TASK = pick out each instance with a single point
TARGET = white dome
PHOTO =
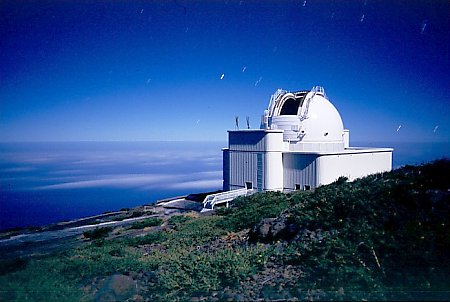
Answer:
(323, 122)
(305, 116)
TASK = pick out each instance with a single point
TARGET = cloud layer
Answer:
(146, 166)
(207, 180)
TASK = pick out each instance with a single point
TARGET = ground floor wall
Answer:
(252, 170)
(297, 171)
(352, 166)
(300, 171)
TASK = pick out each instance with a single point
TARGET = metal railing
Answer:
(273, 100)
(212, 200)
(304, 116)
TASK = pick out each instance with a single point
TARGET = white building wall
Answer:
(352, 165)
(346, 136)
(260, 157)
(273, 172)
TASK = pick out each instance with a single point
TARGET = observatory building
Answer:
(301, 145)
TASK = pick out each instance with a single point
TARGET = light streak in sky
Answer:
(424, 26)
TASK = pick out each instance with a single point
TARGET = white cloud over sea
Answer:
(197, 184)
(136, 166)
(115, 181)
(202, 180)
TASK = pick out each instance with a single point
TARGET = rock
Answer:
(271, 229)
(116, 288)
(278, 226)
(137, 298)
(133, 275)
(261, 231)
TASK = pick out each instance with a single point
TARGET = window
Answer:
(248, 185)
(307, 187)
(297, 187)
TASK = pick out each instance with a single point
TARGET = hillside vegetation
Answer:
(382, 237)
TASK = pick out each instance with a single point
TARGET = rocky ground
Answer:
(40, 241)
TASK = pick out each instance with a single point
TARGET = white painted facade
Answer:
(301, 145)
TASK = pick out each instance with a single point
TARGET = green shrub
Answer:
(376, 232)
(194, 232)
(12, 265)
(97, 233)
(40, 280)
(137, 214)
(177, 220)
(247, 211)
(197, 272)
(150, 238)
(149, 222)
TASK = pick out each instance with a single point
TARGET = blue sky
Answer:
(151, 70)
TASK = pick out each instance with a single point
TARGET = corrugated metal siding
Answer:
(245, 168)
(299, 169)
(259, 172)
(226, 169)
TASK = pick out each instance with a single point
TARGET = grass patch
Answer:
(177, 220)
(150, 238)
(149, 222)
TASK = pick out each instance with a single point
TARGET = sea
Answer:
(43, 183)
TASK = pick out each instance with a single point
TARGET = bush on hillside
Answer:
(149, 222)
(97, 233)
(388, 229)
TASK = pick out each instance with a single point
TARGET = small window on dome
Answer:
(326, 133)
(290, 107)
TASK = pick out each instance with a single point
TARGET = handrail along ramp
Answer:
(212, 200)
